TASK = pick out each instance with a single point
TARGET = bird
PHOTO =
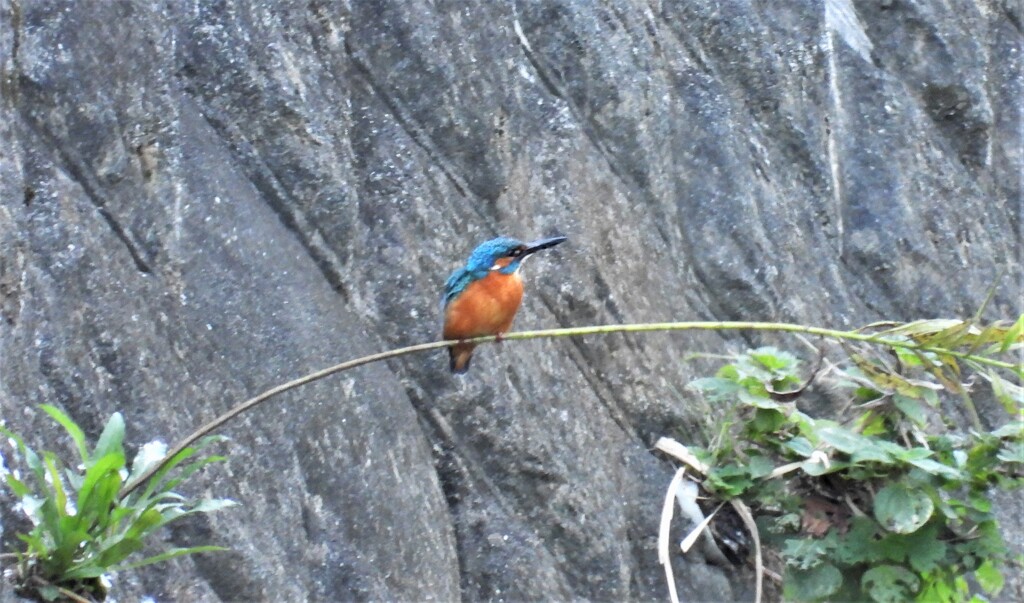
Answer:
(482, 297)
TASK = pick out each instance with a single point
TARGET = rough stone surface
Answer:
(199, 200)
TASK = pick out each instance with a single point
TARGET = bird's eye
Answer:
(515, 253)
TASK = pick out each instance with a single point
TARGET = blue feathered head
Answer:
(485, 258)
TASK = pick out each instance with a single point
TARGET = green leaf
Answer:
(49, 518)
(979, 502)
(760, 466)
(889, 446)
(926, 327)
(750, 371)
(111, 438)
(1011, 453)
(1014, 335)
(1013, 429)
(210, 505)
(989, 578)
(860, 544)
(144, 523)
(729, 480)
(85, 572)
(912, 409)
(774, 359)
(176, 552)
(814, 584)
(872, 424)
(890, 584)
(17, 486)
(116, 552)
(1009, 394)
(949, 337)
(71, 427)
(938, 589)
(729, 372)
(960, 458)
(104, 468)
(60, 499)
(74, 478)
(805, 553)
(902, 510)
(759, 399)
(994, 334)
(102, 507)
(35, 543)
(716, 389)
(936, 468)
(910, 358)
(767, 420)
(842, 439)
(71, 535)
(931, 397)
(188, 470)
(924, 549)
(912, 454)
(800, 445)
(803, 422)
(870, 452)
(31, 459)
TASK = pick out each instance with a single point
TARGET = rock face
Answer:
(199, 200)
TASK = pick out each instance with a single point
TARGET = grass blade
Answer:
(71, 427)
(171, 554)
(1014, 335)
(111, 438)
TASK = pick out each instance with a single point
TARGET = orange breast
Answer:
(486, 307)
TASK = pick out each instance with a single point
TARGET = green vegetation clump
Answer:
(82, 526)
(888, 500)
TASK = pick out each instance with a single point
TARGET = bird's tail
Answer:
(459, 356)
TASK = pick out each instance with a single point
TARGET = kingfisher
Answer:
(482, 297)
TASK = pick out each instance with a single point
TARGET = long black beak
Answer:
(542, 244)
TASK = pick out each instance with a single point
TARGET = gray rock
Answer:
(200, 201)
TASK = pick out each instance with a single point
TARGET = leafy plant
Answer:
(888, 500)
(82, 527)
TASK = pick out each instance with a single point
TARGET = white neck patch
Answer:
(497, 266)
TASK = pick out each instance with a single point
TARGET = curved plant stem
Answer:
(877, 339)
(244, 406)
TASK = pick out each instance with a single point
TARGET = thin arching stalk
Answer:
(876, 339)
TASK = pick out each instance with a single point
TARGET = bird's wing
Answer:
(455, 284)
